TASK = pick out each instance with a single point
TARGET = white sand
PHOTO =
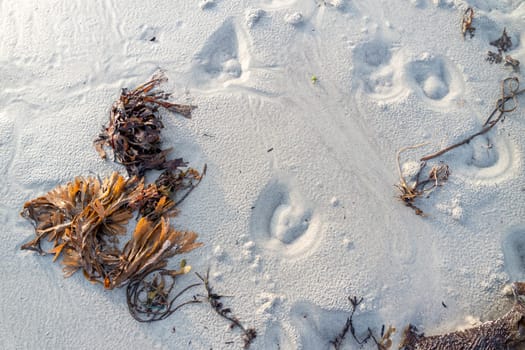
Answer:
(292, 232)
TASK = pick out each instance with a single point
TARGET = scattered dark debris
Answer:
(384, 342)
(494, 57)
(269, 150)
(134, 128)
(502, 333)
(466, 23)
(153, 39)
(249, 334)
(504, 43)
(444, 305)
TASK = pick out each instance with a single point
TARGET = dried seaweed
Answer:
(466, 23)
(494, 57)
(84, 220)
(505, 332)
(214, 299)
(150, 296)
(409, 192)
(167, 184)
(514, 63)
(383, 343)
(503, 44)
(134, 128)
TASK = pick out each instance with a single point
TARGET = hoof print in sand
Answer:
(376, 67)
(219, 60)
(490, 160)
(514, 253)
(282, 220)
(434, 79)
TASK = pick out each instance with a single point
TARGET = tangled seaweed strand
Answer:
(149, 297)
(214, 299)
(384, 343)
(134, 128)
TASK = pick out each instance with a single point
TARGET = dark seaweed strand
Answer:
(214, 300)
(151, 301)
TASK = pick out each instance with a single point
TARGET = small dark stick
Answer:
(215, 301)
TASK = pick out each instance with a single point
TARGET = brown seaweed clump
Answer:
(85, 218)
(134, 128)
(504, 333)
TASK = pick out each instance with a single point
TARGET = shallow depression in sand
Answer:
(282, 220)
(514, 253)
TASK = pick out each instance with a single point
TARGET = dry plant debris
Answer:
(85, 218)
(503, 44)
(466, 23)
(508, 102)
(150, 297)
(503, 333)
(134, 128)
(514, 63)
(214, 299)
(410, 191)
(382, 343)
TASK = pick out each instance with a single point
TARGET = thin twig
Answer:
(193, 185)
(383, 344)
(214, 300)
(489, 123)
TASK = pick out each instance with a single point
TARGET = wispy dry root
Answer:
(84, 219)
(134, 128)
(503, 333)
(409, 193)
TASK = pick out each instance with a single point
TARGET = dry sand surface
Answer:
(302, 107)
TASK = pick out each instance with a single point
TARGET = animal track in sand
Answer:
(282, 220)
(377, 68)
(514, 253)
(490, 160)
(434, 79)
(223, 57)
(275, 338)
